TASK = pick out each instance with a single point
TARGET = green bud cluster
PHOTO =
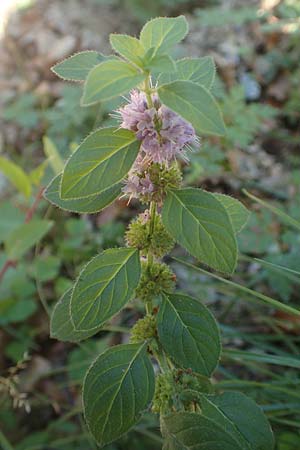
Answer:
(164, 391)
(164, 177)
(190, 381)
(159, 243)
(155, 279)
(144, 329)
(179, 389)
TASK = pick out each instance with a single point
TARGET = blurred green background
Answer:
(256, 47)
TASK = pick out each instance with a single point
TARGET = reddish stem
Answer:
(11, 263)
(34, 206)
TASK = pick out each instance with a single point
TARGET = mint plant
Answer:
(174, 349)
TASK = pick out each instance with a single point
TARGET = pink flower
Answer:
(164, 134)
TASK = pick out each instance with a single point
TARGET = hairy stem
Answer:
(147, 90)
(158, 353)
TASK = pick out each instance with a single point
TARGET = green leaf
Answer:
(230, 421)
(102, 160)
(16, 176)
(117, 388)
(25, 236)
(53, 155)
(189, 333)
(110, 79)
(198, 70)
(160, 64)
(195, 104)
(91, 204)
(61, 326)
(200, 223)
(237, 212)
(129, 47)
(77, 66)
(163, 32)
(104, 287)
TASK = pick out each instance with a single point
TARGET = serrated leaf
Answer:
(129, 47)
(230, 421)
(188, 333)
(89, 205)
(160, 64)
(53, 155)
(200, 223)
(104, 287)
(110, 79)
(237, 212)
(102, 160)
(195, 104)
(26, 236)
(163, 32)
(16, 176)
(77, 66)
(118, 387)
(61, 326)
(198, 70)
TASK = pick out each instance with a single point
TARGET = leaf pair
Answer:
(108, 77)
(205, 224)
(147, 54)
(102, 289)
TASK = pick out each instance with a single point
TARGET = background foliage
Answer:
(256, 49)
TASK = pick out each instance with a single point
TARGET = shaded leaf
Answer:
(163, 32)
(117, 388)
(110, 79)
(91, 204)
(77, 66)
(237, 212)
(230, 421)
(129, 47)
(200, 223)
(195, 104)
(104, 286)
(198, 70)
(102, 160)
(189, 333)
(61, 326)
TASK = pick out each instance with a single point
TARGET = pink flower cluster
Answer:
(164, 135)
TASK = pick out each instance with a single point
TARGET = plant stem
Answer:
(150, 258)
(29, 215)
(159, 353)
(147, 89)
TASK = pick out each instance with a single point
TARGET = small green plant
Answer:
(174, 349)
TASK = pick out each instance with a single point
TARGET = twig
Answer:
(34, 206)
(10, 262)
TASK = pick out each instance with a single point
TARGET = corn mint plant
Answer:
(174, 349)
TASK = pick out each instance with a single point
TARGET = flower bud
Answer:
(155, 279)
